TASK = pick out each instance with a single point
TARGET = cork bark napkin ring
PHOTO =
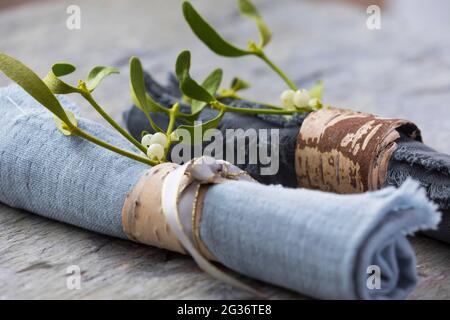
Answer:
(345, 151)
(164, 209)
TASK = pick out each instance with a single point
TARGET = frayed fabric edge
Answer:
(437, 192)
(411, 195)
(428, 162)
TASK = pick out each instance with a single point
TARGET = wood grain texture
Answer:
(399, 71)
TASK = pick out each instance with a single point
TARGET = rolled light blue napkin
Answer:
(320, 244)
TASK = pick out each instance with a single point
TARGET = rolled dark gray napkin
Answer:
(411, 158)
(288, 130)
(319, 244)
(432, 169)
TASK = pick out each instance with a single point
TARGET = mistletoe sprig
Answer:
(301, 100)
(41, 90)
(207, 94)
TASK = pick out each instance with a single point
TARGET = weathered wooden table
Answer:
(401, 70)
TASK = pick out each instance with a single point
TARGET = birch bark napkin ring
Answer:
(164, 209)
(346, 151)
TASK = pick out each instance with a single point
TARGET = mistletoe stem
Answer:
(173, 113)
(78, 132)
(237, 97)
(87, 95)
(275, 68)
(227, 108)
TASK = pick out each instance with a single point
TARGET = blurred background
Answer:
(401, 69)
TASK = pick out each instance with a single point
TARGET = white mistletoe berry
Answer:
(301, 98)
(174, 136)
(146, 140)
(287, 98)
(314, 103)
(159, 138)
(155, 151)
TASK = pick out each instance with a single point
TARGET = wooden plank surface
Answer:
(401, 70)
